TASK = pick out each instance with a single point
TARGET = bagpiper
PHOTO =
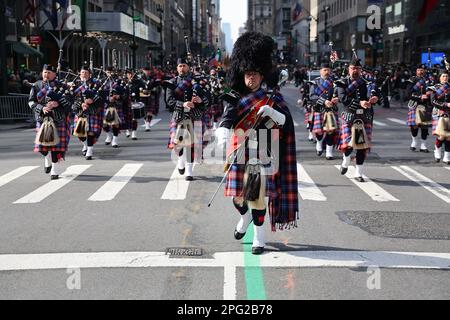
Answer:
(189, 101)
(356, 99)
(88, 108)
(150, 95)
(440, 99)
(420, 110)
(51, 110)
(326, 117)
(253, 114)
(216, 88)
(114, 94)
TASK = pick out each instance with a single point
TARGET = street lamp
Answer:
(309, 19)
(161, 11)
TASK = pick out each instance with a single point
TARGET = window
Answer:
(398, 9)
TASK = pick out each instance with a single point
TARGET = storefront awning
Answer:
(24, 49)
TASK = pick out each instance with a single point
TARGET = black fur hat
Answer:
(252, 52)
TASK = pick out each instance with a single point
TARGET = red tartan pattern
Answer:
(345, 135)
(63, 128)
(411, 121)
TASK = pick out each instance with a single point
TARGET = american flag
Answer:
(334, 56)
(30, 12)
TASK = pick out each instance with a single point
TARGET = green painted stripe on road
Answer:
(254, 278)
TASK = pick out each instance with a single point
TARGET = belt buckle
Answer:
(359, 111)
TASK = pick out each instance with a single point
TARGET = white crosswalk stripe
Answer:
(48, 189)
(177, 187)
(435, 188)
(373, 190)
(153, 123)
(397, 121)
(15, 174)
(380, 124)
(112, 188)
(306, 186)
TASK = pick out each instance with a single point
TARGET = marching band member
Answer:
(419, 115)
(114, 119)
(326, 116)
(88, 108)
(441, 114)
(133, 86)
(216, 108)
(251, 64)
(189, 102)
(356, 100)
(51, 110)
(150, 96)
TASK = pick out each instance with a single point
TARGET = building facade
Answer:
(405, 39)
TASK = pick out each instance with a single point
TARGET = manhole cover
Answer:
(184, 252)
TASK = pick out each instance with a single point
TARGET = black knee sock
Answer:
(360, 157)
(439, 143)
(83, 139)
(348, 152)
(319, 137)
(90, 141)
(330, 140)
(447, 146)
(414, 132)
(424, 134)
(116, 132)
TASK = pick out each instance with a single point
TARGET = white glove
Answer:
(222, 135)
(278, 117)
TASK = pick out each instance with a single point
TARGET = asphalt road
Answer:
(386, 239)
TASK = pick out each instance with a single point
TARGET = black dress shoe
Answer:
(438, 160)
(257, 250)
(330, 158)
(84, 153)
(319, 153)
(238, 236)
(189, 179)
(89, 158)
(424, 150)
(413, 149)
(107, 143)
(182, 171)
(48, 170)
(116, 147)
(360, 179)
(134, 139)
(344, 171)
(54, 177)
(148, 130)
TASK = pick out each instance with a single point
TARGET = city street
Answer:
(103, 231)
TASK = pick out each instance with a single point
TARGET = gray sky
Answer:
(234, 12)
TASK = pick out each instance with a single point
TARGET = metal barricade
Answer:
(15, 107)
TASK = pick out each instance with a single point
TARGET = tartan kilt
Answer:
(318, 122)
(234, 186)
(63, 129)
(308, 112)
(95, 123)
(411, 122)
(151, 105)
(345, 134)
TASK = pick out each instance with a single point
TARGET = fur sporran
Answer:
(254, 186)
(329, 122)
(184, 136)
(423, 117)
(360, 141)
(443, 127)
(81, 129)
(111, 117)
(48, 134)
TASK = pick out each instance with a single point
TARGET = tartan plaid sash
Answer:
(354, 86)
(247, 102)
(42, 94)
(184, 85)
(442, 91)
(324, 87)
(419, 85)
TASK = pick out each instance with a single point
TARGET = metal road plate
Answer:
(184, 252)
